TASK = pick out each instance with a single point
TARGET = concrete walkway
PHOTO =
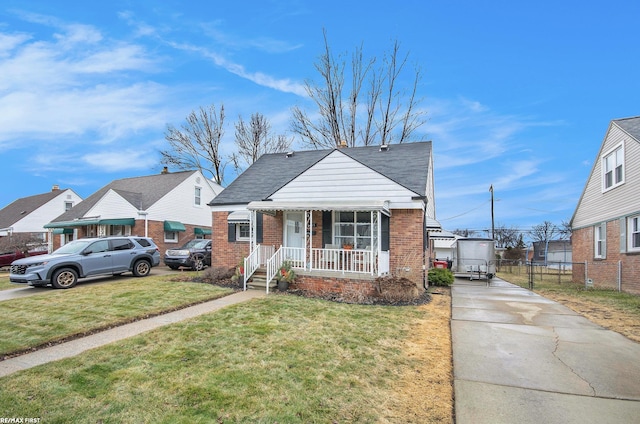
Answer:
(521, 358)
(76, 347)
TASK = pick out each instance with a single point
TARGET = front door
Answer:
(294, 229)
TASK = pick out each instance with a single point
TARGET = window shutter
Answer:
(231, 228)
(623, 235)
(327, 234)
(259, 227)
(384, 228)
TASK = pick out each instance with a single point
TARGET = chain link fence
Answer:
(587, 274)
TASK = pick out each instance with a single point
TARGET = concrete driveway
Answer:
(521, 358)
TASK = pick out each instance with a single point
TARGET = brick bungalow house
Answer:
(606, 223)
(170, 207)
(341, 217)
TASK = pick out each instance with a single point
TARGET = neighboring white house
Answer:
(606, 223)
(444, 244)
(31, 214)
(169, 207)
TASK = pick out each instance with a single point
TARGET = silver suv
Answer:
(87, 257)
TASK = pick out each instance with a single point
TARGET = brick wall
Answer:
(604, 272)
(155, 230)
(406, 244)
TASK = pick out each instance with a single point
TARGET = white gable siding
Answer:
(112, 205)
(338, 177)
(178, 205)
(431, 199)
(36, 220)
(596, 206)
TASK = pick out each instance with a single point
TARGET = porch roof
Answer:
(320, 205)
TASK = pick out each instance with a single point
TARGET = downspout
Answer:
(425, 245)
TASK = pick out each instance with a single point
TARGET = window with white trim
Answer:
(613, 168)
(197, 196)
(353, 229)
(600, 241)
(243, 231)
(171, 236)
(633, 230)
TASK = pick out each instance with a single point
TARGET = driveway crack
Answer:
(555, 354)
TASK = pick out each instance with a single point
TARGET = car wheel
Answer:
(64, 278)
(198, 264)
(173, 267)
(141, 268)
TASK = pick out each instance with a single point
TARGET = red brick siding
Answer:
(604, 272)
(155, 230)
(406, 244)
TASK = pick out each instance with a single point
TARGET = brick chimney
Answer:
(165, 170)
(55, 187)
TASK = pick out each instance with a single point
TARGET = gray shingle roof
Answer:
(630, 125)
(22, 207)
(406, 164)
(141, 192)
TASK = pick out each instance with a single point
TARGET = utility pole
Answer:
(492, 222)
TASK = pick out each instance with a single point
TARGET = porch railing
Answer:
(294, 255)
(343, 260)
(257, 258)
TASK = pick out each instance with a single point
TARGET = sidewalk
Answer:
(75, 347)
(521, 358)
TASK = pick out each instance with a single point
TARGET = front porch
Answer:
(323, 263)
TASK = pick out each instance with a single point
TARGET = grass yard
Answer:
(4, 280)
(608, 308)
(60, 314)
(282, 358)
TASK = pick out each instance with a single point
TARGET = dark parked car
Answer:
(85, 258)
(6, 258)
(195, 254)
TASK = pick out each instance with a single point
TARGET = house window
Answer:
(353, 228)
(171, 236)
(197, 196)
(67, 206)
(600, 241)
(119, 230)
(634, 233)
(243, 232)
(613, 168)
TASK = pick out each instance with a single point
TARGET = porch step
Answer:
(259, 280)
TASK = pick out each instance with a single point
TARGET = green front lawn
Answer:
(283, 359)
(50, 316)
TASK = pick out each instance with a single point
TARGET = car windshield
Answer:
(196, 244)
(75, 246)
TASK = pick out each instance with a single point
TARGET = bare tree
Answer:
(543, 232)
(506, 237)
(20, 242)
(464, 232)
(254, 139)
(390, 114)
(196, 144)
(565, 230)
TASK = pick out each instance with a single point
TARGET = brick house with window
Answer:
(170, 207)
(606, 223)
(341, 217)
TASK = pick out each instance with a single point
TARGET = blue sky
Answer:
(517, 94)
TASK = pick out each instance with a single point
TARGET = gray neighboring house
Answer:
(29, 215)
